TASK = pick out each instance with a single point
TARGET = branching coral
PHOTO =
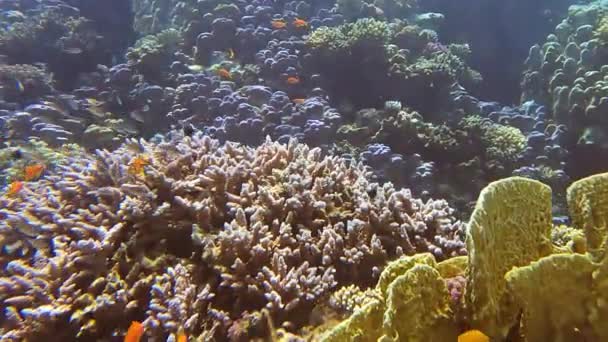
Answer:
(160, 232)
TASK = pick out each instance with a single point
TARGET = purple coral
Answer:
(224, 228)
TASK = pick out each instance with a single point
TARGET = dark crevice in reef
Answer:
(113, 19)
(586, 160)
(500, 34)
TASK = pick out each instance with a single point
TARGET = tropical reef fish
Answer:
(293, 80)
(72, 50)
(473, 336)
(136, 167)
(135, 332)
(300, 23)
(196, 68)
(14, 188)
(278, 23)
(19, 86)
(223, 73)
(33, 172)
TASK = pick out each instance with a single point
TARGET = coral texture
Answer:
(161, 232)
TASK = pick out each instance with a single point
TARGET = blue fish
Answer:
(19, 86)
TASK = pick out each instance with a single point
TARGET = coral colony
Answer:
(257, 170)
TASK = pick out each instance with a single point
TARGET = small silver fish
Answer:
(72, 51)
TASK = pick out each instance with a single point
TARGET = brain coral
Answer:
(160, 232)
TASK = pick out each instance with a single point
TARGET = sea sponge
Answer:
(422, 296)
(510, 227)
(554, 293)
(364, 325)
(588, 203)
(410, 280)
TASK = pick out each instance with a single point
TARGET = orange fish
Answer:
(135, 332)
(293, 80)
(33, 172)
(223, 73)
(298, 101)
(14, 188)
(181, 337)
(473, 336)
(136, 167)
(278, 23)
(300, 23)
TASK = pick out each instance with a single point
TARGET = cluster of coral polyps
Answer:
(191, 234)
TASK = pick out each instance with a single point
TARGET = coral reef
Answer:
(160, 232)
(249, 170)
(386, 61)
(517, 282)
(566, 74)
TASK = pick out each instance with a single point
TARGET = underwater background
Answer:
(273, 170)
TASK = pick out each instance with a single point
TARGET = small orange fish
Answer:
(278, 23)
(33, 172)
(136, 167)
(293, 80)
(298, 101)
(473, 336)
(181, 337)
(300, 23)
(14, 188)
(135, 332)
(223, 73)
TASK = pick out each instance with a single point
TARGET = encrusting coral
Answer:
(161, 232)
(519, 286)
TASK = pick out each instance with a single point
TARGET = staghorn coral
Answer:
(350, 298)
(201, 226)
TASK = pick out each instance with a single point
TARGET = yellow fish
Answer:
(473, 335)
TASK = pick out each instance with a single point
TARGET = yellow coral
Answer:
(400, 266)
(418, 308)
(588, 204)
(363, 326)
(509, 227)
(552, 293)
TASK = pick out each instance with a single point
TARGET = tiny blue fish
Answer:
(19, 86)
